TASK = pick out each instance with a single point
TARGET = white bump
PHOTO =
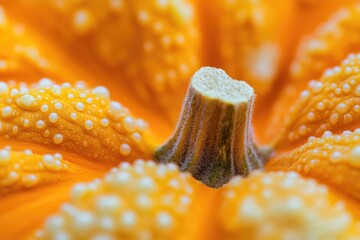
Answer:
(108, 204)
(104, 122)
(78, 191)
(28, 152)
(6, 111)
(129, 124)
(143, 201)
(89, 124)
(101, 91)
(146, 183)
(66, 85)
(58, 138)
(48, 160)
(294, 203)
(58, 106)
(40, 124)
(125, 149)
(27, 100)
(29, 180)
(335, 157)
(320, 106)
(80, 106)
(164, 220)
(84, 222)
(56, 90)
(137, 137)
(141, 125)
(115, 109)
(45, 83)
(14, 92)
(354, 157)
(128, 219)
(89, 100)
(4, 156)
(15, 129)
(26, 123)
(73, 116)
(44, 108)
(53, 117)
(357, 91)
(4, 88)
(311, 116)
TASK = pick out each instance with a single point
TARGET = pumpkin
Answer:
(77, 164)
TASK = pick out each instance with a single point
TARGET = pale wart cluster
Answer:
(150, 40)
(327, 104)
(322, 50)
(335, 39)
(140, 201)
(331, 158)
(282, 205)
(75, 118)
(25, 169)
(340, 148)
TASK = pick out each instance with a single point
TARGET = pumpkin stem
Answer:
(214, 139)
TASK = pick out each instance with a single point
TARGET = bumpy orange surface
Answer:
(88, 90)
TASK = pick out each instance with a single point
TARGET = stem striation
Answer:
(214, 139)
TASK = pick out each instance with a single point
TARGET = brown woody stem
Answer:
(214, 139)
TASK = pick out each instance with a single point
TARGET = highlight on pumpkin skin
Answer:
(245, 38)
(24, 169)
(332, 159)
(139, 201)
(282, 205)
(332, 103)
(72, 118)
(23, 57)
(325, 48)
(335, 39)
(213, 140)
(310, 14)
(151, 47)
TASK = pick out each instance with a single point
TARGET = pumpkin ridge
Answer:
(328, 104)
(72, 118)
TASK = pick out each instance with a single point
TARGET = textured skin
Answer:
(74, 134)
(157, 201)
(24, 170)
(325, 48)
(151, 47)
(144, 200)
(27, 56)
(332, 159)
(79, 120)
(145, 51)
(280, 205)
(332, 103)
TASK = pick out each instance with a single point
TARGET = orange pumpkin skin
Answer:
(55, 134)
(325, 47)
(145, 49)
